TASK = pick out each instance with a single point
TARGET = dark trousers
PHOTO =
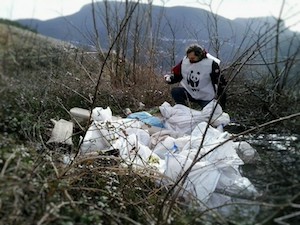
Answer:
(181, 96)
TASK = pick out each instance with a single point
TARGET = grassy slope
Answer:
(11, 36)
(42, 78)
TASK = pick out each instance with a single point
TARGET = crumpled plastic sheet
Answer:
(187, 140)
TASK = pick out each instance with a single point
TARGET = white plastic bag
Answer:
(201, 180)
(62, 132)
(93, 140)
(183, 119)
(245, 151)
(102, 134)
(165, 146)
(136, 154)
(100, 114)
(142, 136)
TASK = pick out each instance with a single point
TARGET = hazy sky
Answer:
(47, 9)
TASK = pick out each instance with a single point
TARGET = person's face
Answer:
(192, 57)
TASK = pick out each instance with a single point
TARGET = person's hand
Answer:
(167, 78)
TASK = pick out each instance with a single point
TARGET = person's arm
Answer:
(176, 75)
(218, 79)
(216, 76)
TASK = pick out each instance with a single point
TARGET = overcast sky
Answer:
(47, 9)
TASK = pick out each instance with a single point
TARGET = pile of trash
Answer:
(180, 140)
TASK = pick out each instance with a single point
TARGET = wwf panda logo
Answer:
(193, 78)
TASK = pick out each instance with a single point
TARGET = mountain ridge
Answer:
(180, 23)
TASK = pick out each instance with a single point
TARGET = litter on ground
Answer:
(183, 144)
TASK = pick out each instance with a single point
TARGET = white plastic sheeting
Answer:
(104, 131)
(62, 132)
(188, 141)
(183, 119)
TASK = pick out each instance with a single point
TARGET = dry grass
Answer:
(36, 189)
(40, 81)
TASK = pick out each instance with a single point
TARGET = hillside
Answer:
(42, 78)
(48, 63)
(31, 65)
(169, 27)
(14, 37)
(21, 46)
(40, 75)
